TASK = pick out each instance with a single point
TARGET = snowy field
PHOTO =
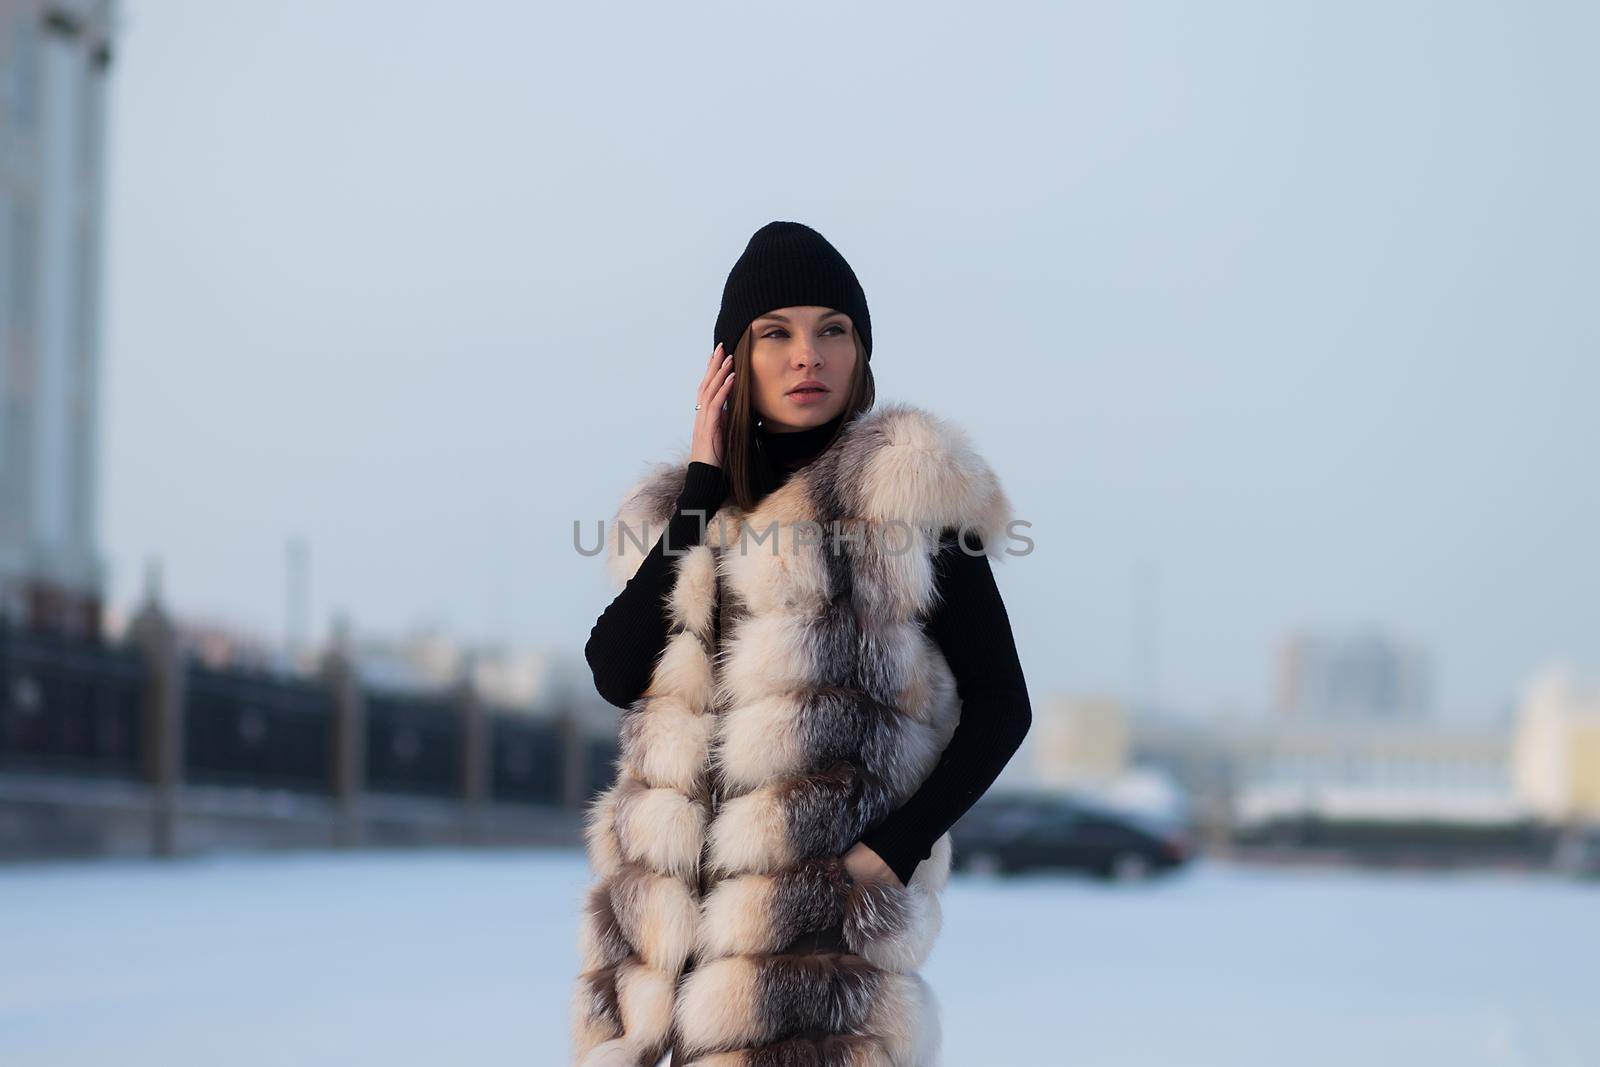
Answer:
(451, 957)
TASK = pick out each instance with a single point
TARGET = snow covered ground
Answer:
(457, 957)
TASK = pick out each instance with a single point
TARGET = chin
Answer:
(805, 416)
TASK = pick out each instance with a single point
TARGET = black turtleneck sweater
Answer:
(969, 625)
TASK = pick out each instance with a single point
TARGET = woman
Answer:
(818, 678)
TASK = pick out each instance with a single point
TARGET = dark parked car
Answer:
(1018, 832)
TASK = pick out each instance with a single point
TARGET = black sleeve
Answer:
(973, 631)
(628, 637)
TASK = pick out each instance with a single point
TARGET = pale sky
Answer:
(1267, 315)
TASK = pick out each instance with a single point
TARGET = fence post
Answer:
(347, 737)
(161, 727)
(475, 757)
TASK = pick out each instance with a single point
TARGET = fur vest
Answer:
(746, 771)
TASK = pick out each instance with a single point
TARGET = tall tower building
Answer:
(54, 59)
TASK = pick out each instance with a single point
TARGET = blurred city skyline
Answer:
(1269, 319)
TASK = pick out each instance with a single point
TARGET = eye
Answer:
(835, 326)
(775, 330)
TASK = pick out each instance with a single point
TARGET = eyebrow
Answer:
(785, 318)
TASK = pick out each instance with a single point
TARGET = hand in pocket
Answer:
(865, 865)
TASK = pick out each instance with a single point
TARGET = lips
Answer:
(808, 388)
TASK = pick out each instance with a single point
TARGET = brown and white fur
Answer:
(823, 709)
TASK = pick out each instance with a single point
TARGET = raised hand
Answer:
(706, 443)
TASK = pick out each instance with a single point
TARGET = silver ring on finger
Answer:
(697, 407)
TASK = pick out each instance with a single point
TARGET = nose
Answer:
(805, 354)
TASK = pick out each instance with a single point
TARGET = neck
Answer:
(791, 450)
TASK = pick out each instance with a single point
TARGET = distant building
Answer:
(53, 62)
(1341, 766)
(509, 677)
(1078, 741)
(1083, 746)
(1361, 677)
(221, 644)
(1260, 769)
(425, 659)
(1557, 747)
(1434, 771)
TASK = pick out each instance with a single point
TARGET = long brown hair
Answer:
(749, 471)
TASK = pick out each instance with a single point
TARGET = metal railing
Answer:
(145, 713)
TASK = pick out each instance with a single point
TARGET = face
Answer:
(801, 361)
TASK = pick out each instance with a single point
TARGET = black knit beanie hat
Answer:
(788, 264)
